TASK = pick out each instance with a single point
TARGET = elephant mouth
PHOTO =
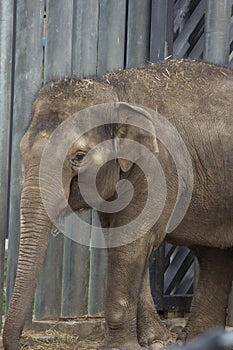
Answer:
(59, 226)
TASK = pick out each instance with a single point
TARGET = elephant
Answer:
(141, 107)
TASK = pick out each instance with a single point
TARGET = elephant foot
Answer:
(152, 330)
(152, 336)
(12, 345)
(182, 336)
(121, 345)
(11, 341)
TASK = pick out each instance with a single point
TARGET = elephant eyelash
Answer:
(75, 161)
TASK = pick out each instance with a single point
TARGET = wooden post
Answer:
(85, 38)
(6, 66)
(58, 49)
(217, 31)
(138, 33)
(161, 29)
(27, 82)
(111, 46)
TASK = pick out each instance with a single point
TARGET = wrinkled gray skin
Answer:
(197, 99)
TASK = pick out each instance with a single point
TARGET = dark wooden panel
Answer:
(171, 274)
(176, 303)
(157, 276)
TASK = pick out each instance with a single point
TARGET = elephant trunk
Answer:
(35, 232)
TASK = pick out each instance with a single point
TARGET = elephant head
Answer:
(62, 153)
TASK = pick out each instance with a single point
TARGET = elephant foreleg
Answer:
(126, 266)
(210, 299)
(150, 326)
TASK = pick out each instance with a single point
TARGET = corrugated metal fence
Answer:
(86, 38)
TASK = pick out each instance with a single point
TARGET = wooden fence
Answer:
(85, 38)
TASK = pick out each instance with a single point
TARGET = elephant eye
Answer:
(75, 161)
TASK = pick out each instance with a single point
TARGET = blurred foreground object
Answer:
(215, 339)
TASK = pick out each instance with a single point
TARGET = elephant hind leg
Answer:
(210, 301)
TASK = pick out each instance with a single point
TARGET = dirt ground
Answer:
(57, 340)
(54, 340)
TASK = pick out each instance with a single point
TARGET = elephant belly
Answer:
(211, 227)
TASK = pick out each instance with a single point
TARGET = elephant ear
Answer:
(130, 116)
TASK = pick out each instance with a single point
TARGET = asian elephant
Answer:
(141, 110)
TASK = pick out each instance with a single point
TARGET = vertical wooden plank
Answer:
(169, 28)
(217, 31)
(85, 38)
(58, 50)
(76, 266)
(48, 292)
(111, 45)
(138, 33)
(6, 45)
(161, 29)
(98, 268)
(27, 81)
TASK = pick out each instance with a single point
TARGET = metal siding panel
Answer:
(28, 67)
(6, 43)
(58, 49)
(138, 35)
(76, 266)
(85, 38)
(111, 45)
